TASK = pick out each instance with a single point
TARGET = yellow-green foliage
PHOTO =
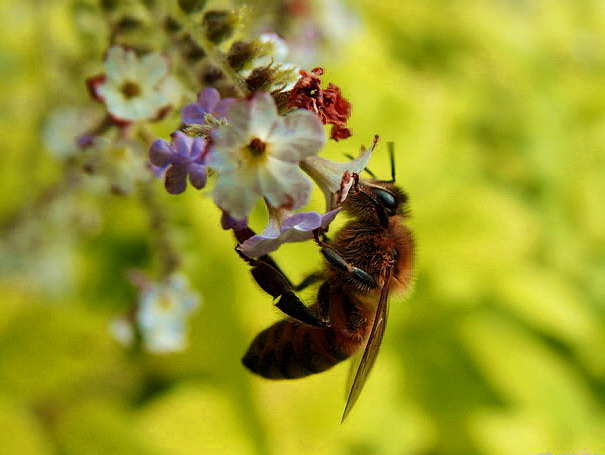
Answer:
(497, 111)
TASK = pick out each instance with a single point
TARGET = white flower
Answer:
(258, 155)
(163, 309)
(121, 163)
(334, 178)
(134, 88)
(62, 128)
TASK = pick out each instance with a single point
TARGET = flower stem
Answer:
(212, 52)
(168, 257)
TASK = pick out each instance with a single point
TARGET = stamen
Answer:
(257, 147)
(130, 89)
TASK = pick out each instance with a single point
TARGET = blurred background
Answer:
(497, 112)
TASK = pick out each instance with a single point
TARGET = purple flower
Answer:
(295, 228)
(228, 222)
(208, 102)
(184, 156)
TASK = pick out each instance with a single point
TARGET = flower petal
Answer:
(263, 115)
(160, 153)
(197, 175)
(283, 184)
(328, 174)
(208, 99)
(151, 69)
(236, 193)
(221, 109)
(176, 179)
(302, 221)
(182, 144)
(296, 228)
(198, 150)
(300, 135)
(193, 113)
(228, 222)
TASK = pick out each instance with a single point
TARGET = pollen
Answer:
(130, 89)
(255, 152)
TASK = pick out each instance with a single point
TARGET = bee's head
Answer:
(375, 201)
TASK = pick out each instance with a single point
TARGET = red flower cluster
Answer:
(328, 104)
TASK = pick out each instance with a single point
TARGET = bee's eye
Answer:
(387, 199)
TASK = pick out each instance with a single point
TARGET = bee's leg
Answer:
(263, 259)
(274, 282)
(334, 258)
(323, 298)
(309, 280)
(277, 285)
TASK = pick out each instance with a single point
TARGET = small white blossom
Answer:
(257, 155)
(62, 128)
(135, 88)
(163, 309)
(120, 163)
(330, 176)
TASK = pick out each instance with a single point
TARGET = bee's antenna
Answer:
(391, 146)
(370, 173)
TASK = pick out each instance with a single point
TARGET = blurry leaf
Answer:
(466, 245)
(21, 432)
(529, 375)
(98, 427)
(193, 419)
(47, 351)
(546, 301)
(504, 433)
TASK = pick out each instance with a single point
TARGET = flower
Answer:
(328, 104)
(61, 129)
(133, 88)
(258, 155)
(120, 163)
(162, 312)
(294, 228)
(184, 156)
(209, 102)
(228, 222)
(334, 179)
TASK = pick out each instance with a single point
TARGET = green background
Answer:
(497, 112)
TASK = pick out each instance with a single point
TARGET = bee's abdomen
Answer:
(289, 349)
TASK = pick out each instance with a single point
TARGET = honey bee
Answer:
(368, 259)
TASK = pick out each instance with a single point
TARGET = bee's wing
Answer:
(372, 347)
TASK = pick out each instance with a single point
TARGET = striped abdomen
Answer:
(290, 349)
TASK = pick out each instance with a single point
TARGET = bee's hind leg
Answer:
(277, 285)
(274, 282)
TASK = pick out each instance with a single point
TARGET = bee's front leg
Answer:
(335, 258)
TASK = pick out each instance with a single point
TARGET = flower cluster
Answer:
(248, 123)
(258, 152)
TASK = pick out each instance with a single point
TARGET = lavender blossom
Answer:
(294, 228)
(185, 156)
(209, 102)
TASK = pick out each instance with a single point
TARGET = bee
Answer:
(369, 259)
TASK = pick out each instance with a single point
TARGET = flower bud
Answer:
(108, 5)
(191, 50)
(210, 75)
(171, 25)
(241, 54)
(220, 25)
(192, 6)
(271, 77)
